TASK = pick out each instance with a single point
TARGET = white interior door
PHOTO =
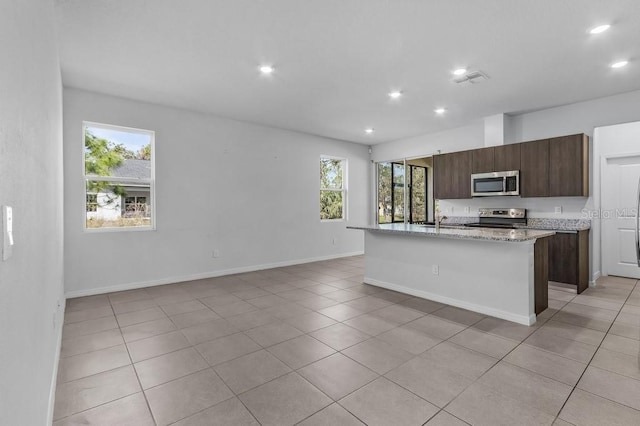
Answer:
(619, 191)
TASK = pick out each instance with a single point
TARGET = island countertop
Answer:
(458, 232)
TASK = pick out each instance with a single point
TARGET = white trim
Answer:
(332, 220)
(520, 319)
(56, 362)
(203, 275)
(117, 128)
(119, 229)
(128, 181)
(623, 155)
(595, 277)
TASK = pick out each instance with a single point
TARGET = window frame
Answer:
(343, 190)
(151, 181)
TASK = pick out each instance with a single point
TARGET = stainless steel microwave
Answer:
(495, 183)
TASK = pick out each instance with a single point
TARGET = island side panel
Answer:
(494, 278)
(541, 274)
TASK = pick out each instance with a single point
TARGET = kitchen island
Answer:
(497, 272)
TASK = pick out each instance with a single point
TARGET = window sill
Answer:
(123, 229)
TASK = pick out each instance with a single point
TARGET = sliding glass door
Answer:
(402, 192)
(418, 194)
(399, 190)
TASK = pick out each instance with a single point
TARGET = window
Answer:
(92, 202)
(119, 177)
(332, 188)
(134, 206)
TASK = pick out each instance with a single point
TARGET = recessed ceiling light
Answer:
(439, 110)
(266, 69)
(619, 64)
(459, 71)
(395, 94)
(599, 29)
(369, 130)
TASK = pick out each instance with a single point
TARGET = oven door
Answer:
(496, 183)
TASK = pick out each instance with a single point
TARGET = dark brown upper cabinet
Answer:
(556, 167)
(534, 168)
(507, 157)
(452, 175)
(482, 160)
(441, 176)
(569, 166)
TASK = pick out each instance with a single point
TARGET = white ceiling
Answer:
(336, 60)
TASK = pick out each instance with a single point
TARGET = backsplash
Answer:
(532, 223)
(558, 224)
(571, 207)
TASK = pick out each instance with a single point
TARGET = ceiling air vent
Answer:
(471, 77)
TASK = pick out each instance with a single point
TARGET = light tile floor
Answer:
(312, 345)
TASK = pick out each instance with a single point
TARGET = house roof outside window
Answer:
(135, 169)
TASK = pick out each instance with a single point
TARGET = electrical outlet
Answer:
(467, 209)
(333, 240)
(215, 254)
(435, 269)
(558, 209)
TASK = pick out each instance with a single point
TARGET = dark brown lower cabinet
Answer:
(569, 258)
(541, 274)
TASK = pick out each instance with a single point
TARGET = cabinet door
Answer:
(452, 175)
(563, 258)
(482, 160)
(507, 157)
(441, 176)
(569, 166)
(534, 168)
(461, 174)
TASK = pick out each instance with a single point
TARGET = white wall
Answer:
(580, 117)
(31, 282)
(458, 139)
(249, 191)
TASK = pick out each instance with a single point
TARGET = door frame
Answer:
(603, 167)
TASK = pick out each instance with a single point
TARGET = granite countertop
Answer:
(459, 232)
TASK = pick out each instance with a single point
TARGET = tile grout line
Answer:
(414, 357)
(125, 343)
(493, 366)
(593, 356)
(106, 371)
(146, 400)
(370, 337)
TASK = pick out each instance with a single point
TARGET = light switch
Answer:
(7, 232)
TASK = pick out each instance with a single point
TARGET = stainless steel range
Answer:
(500, 218)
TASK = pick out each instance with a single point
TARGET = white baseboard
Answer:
(595, 277)
(56, 362)
(520, 319)
(203, 275)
